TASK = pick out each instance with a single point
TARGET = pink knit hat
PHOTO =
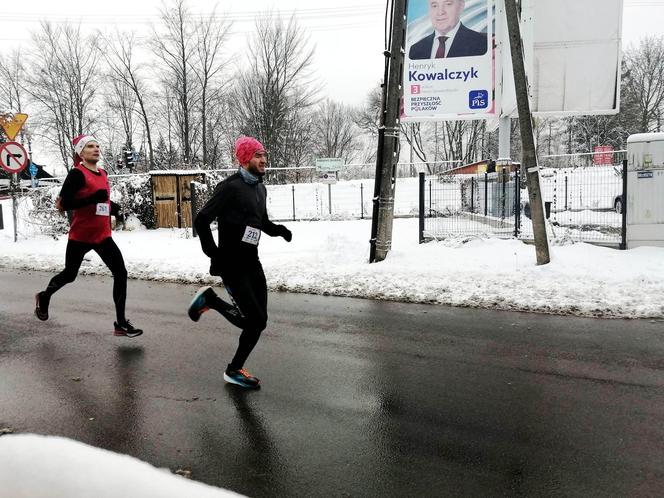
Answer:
(79, 143)
(246, 147)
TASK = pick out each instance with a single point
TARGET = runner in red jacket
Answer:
(86, 192)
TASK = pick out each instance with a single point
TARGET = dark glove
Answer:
(116, 211)
(285, 233)
(215, 266)
(100, 195)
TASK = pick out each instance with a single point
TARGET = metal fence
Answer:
(305, 197)
(583, 200)
(469, 204)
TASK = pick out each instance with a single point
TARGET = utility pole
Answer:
(528, 155)
(388, 139)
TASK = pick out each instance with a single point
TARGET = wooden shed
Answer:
(171, 194)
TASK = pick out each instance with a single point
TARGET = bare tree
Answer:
(587, 132)
(276, 91)
(176, 48)
(367, 118)
(211, 34)
(335, 133)
(461, 140)
(63, 82)
(12, 94)
(643, 86)
(129, 85)
(12, 72)
(122, 100)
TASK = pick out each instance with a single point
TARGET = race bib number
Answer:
(251, 236)
(103, 209)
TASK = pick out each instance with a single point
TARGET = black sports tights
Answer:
(248, 290)
(111, 256)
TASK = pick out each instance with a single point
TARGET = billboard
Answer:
(449, 68)
(572, 51)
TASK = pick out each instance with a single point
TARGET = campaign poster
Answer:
(449, 69)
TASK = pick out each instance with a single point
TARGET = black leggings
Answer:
(111, 256)
(248, 290)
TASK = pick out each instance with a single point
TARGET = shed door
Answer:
(185, 200)
(165, 201)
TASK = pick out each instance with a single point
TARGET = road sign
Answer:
(329, 164)
(603, 155)
(13, 157)
(13, 124)
(329, 177)
(33, 170)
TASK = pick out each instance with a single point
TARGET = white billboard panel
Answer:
(449, 62)
(572, 51)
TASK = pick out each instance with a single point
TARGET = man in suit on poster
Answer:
(450, 37)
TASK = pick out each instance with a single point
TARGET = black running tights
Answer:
(248, 290)
(111, 256)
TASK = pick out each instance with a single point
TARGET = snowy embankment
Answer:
(34, 466)
(330, 257)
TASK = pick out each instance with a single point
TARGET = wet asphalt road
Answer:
(359, 397)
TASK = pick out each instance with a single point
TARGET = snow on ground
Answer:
(39, 466)
(330, 257)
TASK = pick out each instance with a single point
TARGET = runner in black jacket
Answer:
(239, 206)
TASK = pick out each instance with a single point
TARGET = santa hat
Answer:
(246, 147)
(79, 144)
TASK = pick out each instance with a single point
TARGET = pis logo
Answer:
(478, 99)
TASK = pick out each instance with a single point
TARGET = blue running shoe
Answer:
(241, 378)
(200, 302)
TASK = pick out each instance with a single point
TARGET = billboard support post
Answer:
(528, 155)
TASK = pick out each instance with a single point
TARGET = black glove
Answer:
(100, 195)
(116, 211)
(215, 266)
(285, 233)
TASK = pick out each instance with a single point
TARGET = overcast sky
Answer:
(348, 34)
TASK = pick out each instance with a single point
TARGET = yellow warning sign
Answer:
(12, 124)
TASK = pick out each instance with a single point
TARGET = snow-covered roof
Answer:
(645, 137)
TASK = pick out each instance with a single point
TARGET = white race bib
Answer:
(103, 209)
(251, 236)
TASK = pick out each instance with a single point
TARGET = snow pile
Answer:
(33, 466)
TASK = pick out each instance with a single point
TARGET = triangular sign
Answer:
(13, 124)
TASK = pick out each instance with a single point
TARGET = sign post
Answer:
(13, 159)
(327, 168)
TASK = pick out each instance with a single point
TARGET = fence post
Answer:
(293, 202)
(486, 194)
(503, 178)
(623, 198)
(329, 197)
(430, 197)
(361, 201)
(565, 191)
(517, 204)
(2, 223)
(421, 190)
(472, 195)
(194, 207)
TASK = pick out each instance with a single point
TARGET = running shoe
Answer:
(41, 306)
(126, 329)
(241, 378)
(201, 302)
